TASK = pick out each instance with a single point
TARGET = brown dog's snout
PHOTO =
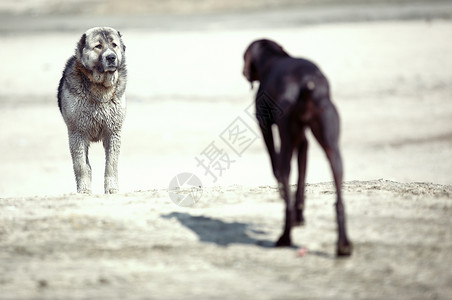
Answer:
(245, 73)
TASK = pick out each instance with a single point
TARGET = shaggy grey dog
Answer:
(92, 101)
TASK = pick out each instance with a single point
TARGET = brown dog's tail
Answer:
(305, 105)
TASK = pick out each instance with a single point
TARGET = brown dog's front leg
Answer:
(284, 172)
(269, 142)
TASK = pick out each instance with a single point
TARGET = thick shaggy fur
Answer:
(92, 102)
(294, 95)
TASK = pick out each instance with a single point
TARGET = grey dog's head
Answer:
(101, 51)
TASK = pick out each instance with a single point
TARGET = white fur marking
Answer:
(291, 92)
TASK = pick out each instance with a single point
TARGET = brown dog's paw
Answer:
(299, 223)
(344, 249)
(299, 219)
(284, 241)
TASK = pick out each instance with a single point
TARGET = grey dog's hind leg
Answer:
(82, 169)
(112, 145)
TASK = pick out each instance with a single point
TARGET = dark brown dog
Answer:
(294, 94)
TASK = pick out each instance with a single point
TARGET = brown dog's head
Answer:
(101, 51)
(257, 55)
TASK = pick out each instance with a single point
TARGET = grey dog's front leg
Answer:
(112, 145)
(82, 169)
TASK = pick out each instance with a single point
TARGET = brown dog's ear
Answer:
(248, 68)
(81, 44)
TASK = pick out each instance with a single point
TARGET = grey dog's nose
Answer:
(111, 58)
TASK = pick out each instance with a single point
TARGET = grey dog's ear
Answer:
(81, 44)
(122, 43)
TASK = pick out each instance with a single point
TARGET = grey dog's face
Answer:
(101, 49)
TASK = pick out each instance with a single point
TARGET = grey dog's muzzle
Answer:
(109, 62)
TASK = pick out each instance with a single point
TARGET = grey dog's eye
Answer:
(99, 46)
(114, 45)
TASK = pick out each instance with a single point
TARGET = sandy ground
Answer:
(391, 82)
(143, 246)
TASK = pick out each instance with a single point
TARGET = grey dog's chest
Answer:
(97, 119)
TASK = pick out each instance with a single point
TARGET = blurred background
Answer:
(388, 63)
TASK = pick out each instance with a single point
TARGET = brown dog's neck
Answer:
(265, 63)
(267, 57)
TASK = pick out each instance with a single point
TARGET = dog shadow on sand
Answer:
(211, 230)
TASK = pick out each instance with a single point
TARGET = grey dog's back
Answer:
(70, 64)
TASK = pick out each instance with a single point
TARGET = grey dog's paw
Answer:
(111, 191)
(111, 185)
(84, 191)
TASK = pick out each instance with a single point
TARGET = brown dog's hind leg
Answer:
(344, 247)
(299, 198)
(326, 131)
